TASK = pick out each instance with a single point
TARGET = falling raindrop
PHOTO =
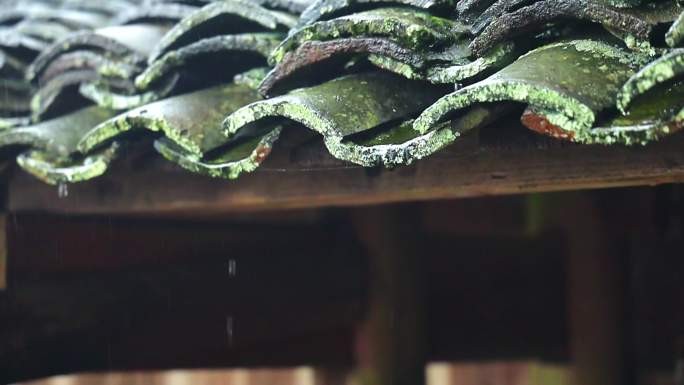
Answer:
(63, 190)
(232, 268)
(229, 330)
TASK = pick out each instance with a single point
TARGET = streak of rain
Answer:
(230, 330)
(232, 268)
(62, 190)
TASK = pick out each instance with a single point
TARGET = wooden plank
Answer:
(300, 174)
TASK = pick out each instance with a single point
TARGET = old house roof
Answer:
(211, 86)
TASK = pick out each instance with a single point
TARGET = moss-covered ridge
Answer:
(52, 153)
(651, 101)
(222, 18)
(675, 34)
(537, 15)
(59, 136)
(569, 83)
(114, 44)
(191, 125)
(227, 162)
(662, 70)
(361, 117)
(411, 29)
(103, 94)
(242, 34)
(261, 44)
(408, 42)
(111, 56)
(62, 170)
(324, 9)
(191, 120)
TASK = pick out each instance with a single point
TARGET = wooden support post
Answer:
(595, 308)
(391, 342)
(594, 282)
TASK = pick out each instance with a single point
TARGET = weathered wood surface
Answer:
(301, 174)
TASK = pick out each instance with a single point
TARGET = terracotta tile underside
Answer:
(212, 85)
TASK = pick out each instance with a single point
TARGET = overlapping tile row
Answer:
(382, 83)
(29, 27)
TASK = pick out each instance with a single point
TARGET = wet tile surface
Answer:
(372, 81)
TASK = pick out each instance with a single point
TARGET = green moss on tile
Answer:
(252, 78)
(101, 94)
(58, 136)
(495, 59)
(575, 80)
(250, 12)
(652, 116)
(353, 105)
(541, 13)
(409, 28)
(662, 70)
(227, 162)
(259, 43)
(392, 154)
(57, 170)
(323, 9)
(105, 48)
(192, 121)
(675, 34)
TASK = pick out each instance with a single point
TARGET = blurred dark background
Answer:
(584, 282)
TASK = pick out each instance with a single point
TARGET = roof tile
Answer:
(380, 82)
